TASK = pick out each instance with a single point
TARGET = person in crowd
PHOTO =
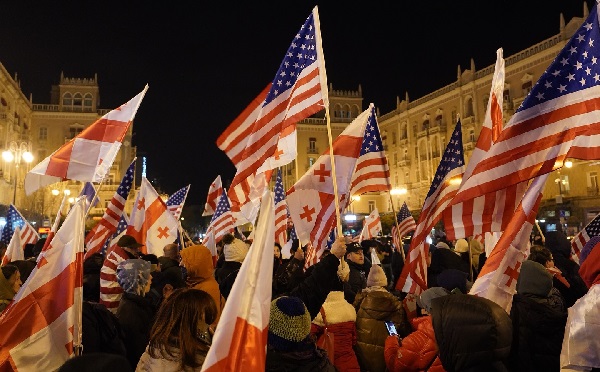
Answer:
(418, 351)
(357, 281)
(463, 249)
(443, 258)
(560, 247)
(341, 321)
(10, 283)
(28, 252)
(276, 257)
(454, 280)
(181, 337)
(581, 344)
(234, 251)
(101, 331)
(135, 312)
(170, 260)
(290, 346)
(538, 319)
(96, 362)
(198, 263)
(163, 284)
(153, 259)
(329, 274)
(110, 290)
(477, 257)
(543, 256)
(472, 333)
(291, 273)
(374, 305)
(25, 268)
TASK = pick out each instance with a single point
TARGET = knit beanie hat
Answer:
(461, 246)
(534, 279)
(376, 277)
(133, 275)
(235, 251)
(289, 323)
(424, 300)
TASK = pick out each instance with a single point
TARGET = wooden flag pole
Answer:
(401, 249)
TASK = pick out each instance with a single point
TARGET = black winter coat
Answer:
(226, 275)
(136, 316)
(357, 281)
(308, 360)
(538, 330)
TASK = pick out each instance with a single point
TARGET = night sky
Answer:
(205, 61)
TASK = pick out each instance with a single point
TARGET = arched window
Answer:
(469, 107)
(67, 99)
(77, 99)
(87, 100)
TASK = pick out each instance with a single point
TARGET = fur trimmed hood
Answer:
(337, 310)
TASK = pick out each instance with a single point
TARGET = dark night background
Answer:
(205, 61)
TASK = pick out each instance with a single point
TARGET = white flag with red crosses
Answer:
(151, 223)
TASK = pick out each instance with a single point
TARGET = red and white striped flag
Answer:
(406, 224)
(177, 200)
(222, 222)
(281, 211)
(151, 223)
(14, 251)
(589, 231)
(14, 218)
(371, 226)
(298, 90)
(413, 278)
(490, 212)
(497, 280)
(240, 341)
(557, 119)
(311, 201)
(214, 193)
(42, 326)
(372, 172)
(56, 223)
(88, 156)
(107, 226)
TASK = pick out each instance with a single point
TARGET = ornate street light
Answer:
(17, 152)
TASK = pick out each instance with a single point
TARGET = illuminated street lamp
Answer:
(16, 153)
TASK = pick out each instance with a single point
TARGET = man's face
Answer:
(357, 257)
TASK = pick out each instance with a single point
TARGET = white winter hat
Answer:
(376, 277)
(235, 251)
(461, 246)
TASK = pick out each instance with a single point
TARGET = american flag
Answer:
(96, 238)
(176, 201)
(298, 90)
(406, 224)
(89, 191)
(214, 192)
(371, 226)
(372, 172)
(413, 278)
(589, 231)
(281, 212)
(557, 119)
(121, 228)
(222, 221)
(14, 219)
(490, 212)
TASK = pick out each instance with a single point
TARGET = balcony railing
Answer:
(312, 150)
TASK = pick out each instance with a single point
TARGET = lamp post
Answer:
(17, 152)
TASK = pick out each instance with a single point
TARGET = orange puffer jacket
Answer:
(418, 352)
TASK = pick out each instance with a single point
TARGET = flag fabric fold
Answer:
(14, 251)
(311, 201)
(177, 200)
(371, 226)
(490, 212)
(240, 341)
(42, 326)
(557, 119)
(222, 222)
(151, 223)
(406, 224)
(14, 218)
(497, 280)
(589, 231)
(281, 212)
(88, 156)
(298, 91)
(413, 278)
(214, 193)
(97, 237)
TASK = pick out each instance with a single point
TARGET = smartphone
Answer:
(391, 328)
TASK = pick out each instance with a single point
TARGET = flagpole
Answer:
(89, 208)
(401, 249)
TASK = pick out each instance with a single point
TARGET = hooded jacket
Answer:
(6, 292)
(197, 260)
(472, 333)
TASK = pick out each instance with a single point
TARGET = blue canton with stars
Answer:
(126, 182)
(576, 68)
(453, 158)
(372, 138)
(178, 197)
(404, 213)
(121, 226)
(222, 207)
(13, 220)
(593, 228)
(301, 53)
(279, 193)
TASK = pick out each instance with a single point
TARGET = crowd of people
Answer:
(148, 313)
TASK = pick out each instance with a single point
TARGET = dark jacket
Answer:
(101, 331)
(442, 259)
(373, 308)
(357, 281)
(136, 316)
(308, 360)
(538, 331)
(288, 276)
(226, 276)
(472, 333)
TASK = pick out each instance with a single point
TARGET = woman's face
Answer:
(276, 252)
(15, 281)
